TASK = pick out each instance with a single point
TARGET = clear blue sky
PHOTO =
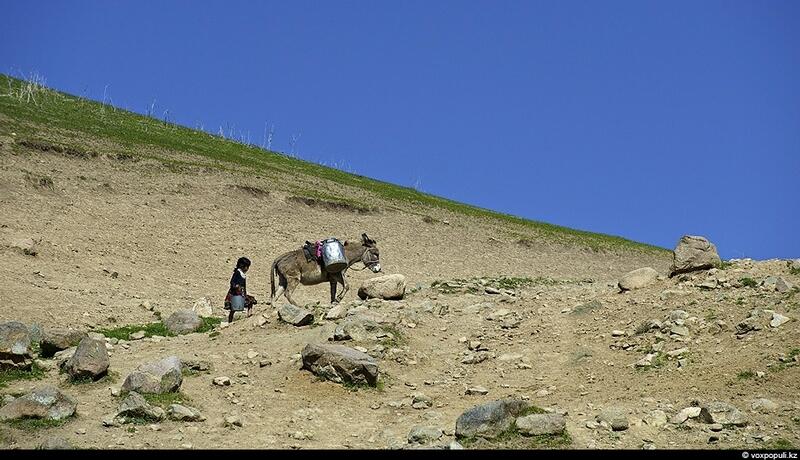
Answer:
(643, 119)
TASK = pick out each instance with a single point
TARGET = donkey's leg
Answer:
(334, 285)
(291, 285)
(346, 287)
(279, 291)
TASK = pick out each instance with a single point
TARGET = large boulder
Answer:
(694, 253)
(15, 346)
(159, 377)
(388, 287)
(539, 424)
(184, 413)
(725, 414)
(637, 279)
(340, 364)
(90, 360)
(490, 419)
(295, 316)
(183, 322)
(55, 340)
(615, 417)
(46, 402)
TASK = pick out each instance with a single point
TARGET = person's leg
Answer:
(230, 316)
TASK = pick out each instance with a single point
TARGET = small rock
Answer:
(716, 427)
(615, 418)
(222, 381)
(477, 391)
(540, 424)
(138, 335)
(233, 420)
(656, 418)
(424, 434)
(637, 279)
(778, 320)
(764, 406)
(682, 331)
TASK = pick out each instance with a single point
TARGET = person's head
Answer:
(243, 263)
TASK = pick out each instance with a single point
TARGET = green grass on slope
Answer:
(32, 111)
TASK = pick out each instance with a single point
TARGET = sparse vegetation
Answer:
(29, 105)
(748, 282)
(745, 375)
(34, 373)
(33, 424)
(511, 438)
(155, 329)
(724, 265)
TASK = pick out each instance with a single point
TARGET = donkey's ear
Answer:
(345, 243)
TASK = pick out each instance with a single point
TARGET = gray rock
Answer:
(7, 399)
(222, 381)
(750, 324)
(138, 335)
(55, 340)
(615, 418)
(388, 287)
(184, 414)
(693, 253)
(725, 414)
(424, 434)
(497, 314)
(35, 332)
(539, 424)
(340, 364)
(295, 316)
(764, 406)
(338, 311)
(203, 308)
(15, 346)
(490, 419)
(783, 286)
(55, 443)
(587, 307)
(134, 405)
(637, 279)
(778, 320)
(233, 420)
(795, 264)
(90, 360)
(455, 445)
(682, 331)
(656, 418)
(25, 245)
(183, 322)
(158, 377)
(45, 402)
(475, 358)
(676, 315)
(685, 414)
(359, 328)
(477, 391)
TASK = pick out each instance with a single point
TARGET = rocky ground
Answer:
(706, 359)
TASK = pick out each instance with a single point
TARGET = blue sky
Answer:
(643, 119)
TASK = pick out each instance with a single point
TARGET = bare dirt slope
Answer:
(112, 234)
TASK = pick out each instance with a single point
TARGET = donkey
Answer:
(294, 269)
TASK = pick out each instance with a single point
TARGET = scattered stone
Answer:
(587, 307)
(490, 419)
(90, 360)
(477, 391)
(55, 443)
(45, 402)
(615, 418)
(184, 414)
(338, 311)
(497, 314)
(295, 316)
(134, 405)
(539, 424)
(475, 358)
(656, 418)
(506, 357)
(233, 420)
(15, 346)
(222, 381)
(340, 364)
(424, 434)
(26, 245)
(183, 322)
(617, 333)
(388, 287)
(693, 253)
(203, 308)
(677, 315)
(682, 331)
(678, 352)
(750, 324)
(264, 363)
(763, 405)
(716, 427)
(647, 361)
(455, 445)
(783, 286)
(252, 354)
(55, 340)
(726, 414)
(420, 401)
(637, 279)
(163, 376)
(778, 320)
(358, 328)
(138, 335)
(686, 414)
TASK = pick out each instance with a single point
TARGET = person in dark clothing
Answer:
(238, 287)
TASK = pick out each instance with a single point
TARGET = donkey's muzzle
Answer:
(375, 268)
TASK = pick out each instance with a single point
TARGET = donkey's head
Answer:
(371, 257)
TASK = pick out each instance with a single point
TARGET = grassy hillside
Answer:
(46, 118)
